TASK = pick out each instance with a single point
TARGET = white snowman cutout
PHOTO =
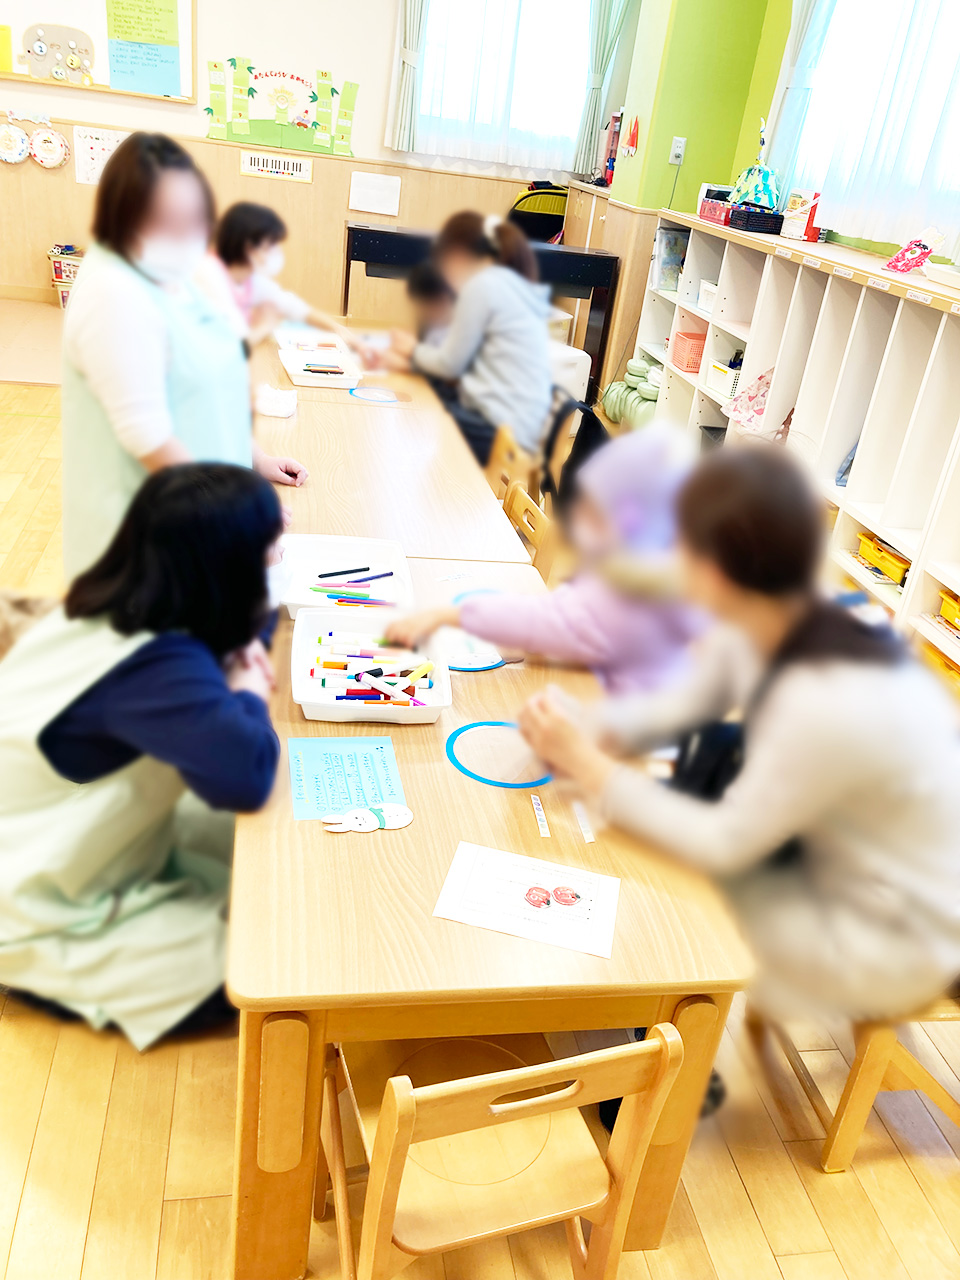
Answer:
(378, 817)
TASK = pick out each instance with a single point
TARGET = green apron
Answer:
(112, 897)
(208, 395)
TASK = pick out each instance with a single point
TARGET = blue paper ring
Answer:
(490, 782)
(491, 666)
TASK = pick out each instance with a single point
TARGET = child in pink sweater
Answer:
(625, 502)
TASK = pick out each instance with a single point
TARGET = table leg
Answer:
(278, 1131)
(700, 1021)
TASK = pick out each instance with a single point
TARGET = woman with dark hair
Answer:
(837, 839)
(241, 273)
(153, 374)
(147, 684)
(492, 368)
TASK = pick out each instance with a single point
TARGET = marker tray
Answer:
(307, 555)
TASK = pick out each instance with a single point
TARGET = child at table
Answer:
(241, 276)
(626, 493)
(148, 683)
(432, 301)
(493, 367)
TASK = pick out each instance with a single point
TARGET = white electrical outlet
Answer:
(677, 149)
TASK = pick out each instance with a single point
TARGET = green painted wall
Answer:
(766, 70)
(693, 74)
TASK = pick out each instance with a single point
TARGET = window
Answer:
(504, 80)
(881, 134)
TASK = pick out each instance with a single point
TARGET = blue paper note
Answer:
(334, 775)
(145, 68)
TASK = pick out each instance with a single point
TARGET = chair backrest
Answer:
(508, 462)
(533, 524)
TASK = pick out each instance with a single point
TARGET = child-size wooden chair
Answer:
(534, 526)
(881, 1063)
(475, 1139)
(509, 462)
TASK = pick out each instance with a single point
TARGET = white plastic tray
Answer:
(305, 555)
(297, 351)
(313, 623)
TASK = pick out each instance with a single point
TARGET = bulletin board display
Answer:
(141, 47)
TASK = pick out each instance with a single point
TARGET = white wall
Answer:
(355, 40)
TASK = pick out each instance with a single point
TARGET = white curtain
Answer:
(406, 107)
(504, 80)
(881, 133)
(808, 32)
(606, 23)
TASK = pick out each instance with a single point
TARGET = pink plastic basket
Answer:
(688, 351)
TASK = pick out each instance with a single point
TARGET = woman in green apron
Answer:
(153, 374)
(145, 690)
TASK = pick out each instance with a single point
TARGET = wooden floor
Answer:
(118, 1166)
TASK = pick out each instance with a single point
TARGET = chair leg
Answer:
(338, 1173)
(875, 1047)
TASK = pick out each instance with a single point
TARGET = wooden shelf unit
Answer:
(864, 357)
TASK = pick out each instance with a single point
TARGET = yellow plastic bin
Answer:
(943, 667)
(885, 558)
(950, 608)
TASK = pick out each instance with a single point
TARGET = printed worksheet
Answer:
(543, 901)
(335, 775)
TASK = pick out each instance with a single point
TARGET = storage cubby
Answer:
(929, 437)
(901, 374)
(686, 321)
(828, 344)
(675, 399)
(856, 380)
(721, 346)
(703, 261)
(798, 328)
(777, 286)
(844, 544)
(707, 420)
(737, 289)
(656, 323)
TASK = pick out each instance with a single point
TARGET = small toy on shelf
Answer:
(915, 252)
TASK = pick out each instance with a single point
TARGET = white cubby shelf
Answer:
(862, 357)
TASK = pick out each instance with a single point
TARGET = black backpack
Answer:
(591, 435)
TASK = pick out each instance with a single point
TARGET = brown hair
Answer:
(504, 243)
(128, 182)
(751, 511)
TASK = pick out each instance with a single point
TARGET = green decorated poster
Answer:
(274, 107)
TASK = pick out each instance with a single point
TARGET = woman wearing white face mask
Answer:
(242, 276)
(153, 375)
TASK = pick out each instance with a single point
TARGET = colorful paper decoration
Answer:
(758, 185)
(915, 252)
(217, 110)
(381, 817)
(49, 148)
(14, 144)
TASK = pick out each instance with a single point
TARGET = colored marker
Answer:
(374, 577)
(390, 689)
(342, 573)
(423, 670)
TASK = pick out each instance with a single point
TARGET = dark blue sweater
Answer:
(170, 700)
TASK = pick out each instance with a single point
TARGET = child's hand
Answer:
(281, 470)
(562, 745)
(415, 627)
(395, 362)
(250, 670)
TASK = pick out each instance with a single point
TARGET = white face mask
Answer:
(273, 261)
(167, 260)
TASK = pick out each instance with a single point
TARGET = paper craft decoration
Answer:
(374, 193)
(279, 107)
(494, 753)
(464, 652)
(92, 148)
(389, 817)
(629, 148)
(49, 148)
(14, 144)
(375, 395)
(141, 47)
(758, 185)
(915, 252)
(337, 775)
(529, 898)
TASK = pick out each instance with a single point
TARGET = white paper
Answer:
(488, 888)
(92, 148)
(374, 193)
(276, 402)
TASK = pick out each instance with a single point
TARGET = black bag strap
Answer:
(591, 435)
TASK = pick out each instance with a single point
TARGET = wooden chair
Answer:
(508, 462)
(534, 526)
(467, 1142)
(881, 1063)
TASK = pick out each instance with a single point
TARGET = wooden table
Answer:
(333, 938)
(386, 471)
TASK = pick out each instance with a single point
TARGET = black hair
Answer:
(128, 182)
(246, 226)
(426, 283)
(189, 556)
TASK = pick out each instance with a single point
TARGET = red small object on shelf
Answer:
(717, 211)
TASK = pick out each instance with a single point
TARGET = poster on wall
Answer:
(142, 47)
(276, 107)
